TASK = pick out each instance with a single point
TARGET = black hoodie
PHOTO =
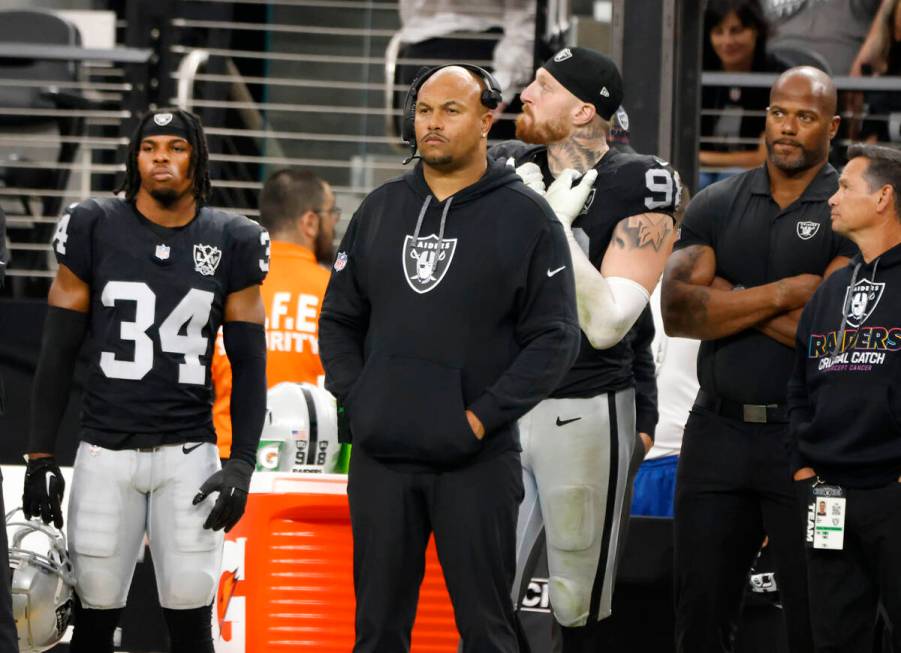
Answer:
(844, 409)
(413, 333)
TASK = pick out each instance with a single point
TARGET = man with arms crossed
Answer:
(752, 250)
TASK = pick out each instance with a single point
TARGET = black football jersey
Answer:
(627, 184)
(157, 301)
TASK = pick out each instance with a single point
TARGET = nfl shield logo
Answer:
(341, 261)
(426, 261)
(162, 252)
(206, 259)
(807, 229)
(861, 300)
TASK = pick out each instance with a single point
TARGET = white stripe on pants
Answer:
(577, 478)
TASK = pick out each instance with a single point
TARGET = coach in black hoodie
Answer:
(845, 408)
(450, 313)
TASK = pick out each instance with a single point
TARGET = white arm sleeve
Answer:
(608, 307)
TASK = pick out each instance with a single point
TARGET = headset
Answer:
(491, 98)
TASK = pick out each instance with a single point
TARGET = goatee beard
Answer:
(166, 197)
(529, 131)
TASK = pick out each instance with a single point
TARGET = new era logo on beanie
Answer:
(590, 76)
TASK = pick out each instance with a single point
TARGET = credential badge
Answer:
(206, 259)
(807, 229)
(426, 261)
(861, 300)
(563, 55)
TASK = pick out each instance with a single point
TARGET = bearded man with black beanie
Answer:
(581, 447)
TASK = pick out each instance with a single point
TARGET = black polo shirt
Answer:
(756, 243)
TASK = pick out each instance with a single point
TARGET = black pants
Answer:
(9, 639)
(472, 512)
(733, 488)
(846, 586)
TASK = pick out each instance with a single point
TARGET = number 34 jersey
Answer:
(627, 184)
(157, 300)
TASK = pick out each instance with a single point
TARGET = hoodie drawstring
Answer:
(422, 211)
(841, 331)
(425, 206)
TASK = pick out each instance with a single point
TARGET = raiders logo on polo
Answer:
(861, 300)
(206, 259)
(807, 229)
(426, 261)
(563, 55)
(162, 119)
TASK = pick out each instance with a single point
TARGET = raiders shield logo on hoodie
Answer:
(864, 296)
(426, 261)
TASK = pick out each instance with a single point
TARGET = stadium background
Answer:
(303, 83)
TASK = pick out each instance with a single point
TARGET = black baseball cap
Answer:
(590, 76)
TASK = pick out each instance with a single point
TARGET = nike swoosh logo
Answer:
(551, 273)
(186, 449)
(564, 422)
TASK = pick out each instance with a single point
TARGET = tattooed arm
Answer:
(609, 300)
(694, 307)
(639, 249)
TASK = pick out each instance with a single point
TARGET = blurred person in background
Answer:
(498, 34)
(736, 42)
(298, 209)
(883, 108)
(839, 32)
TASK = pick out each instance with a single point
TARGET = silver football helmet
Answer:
(300, 433)
(42, 582)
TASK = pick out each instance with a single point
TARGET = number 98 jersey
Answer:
(627, 184)
(157, 301)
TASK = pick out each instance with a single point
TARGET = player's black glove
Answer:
(232, 483)
(42, 495)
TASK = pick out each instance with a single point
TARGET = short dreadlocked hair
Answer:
(200, 156)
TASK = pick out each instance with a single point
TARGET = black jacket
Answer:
(412, 332)
(845, 408)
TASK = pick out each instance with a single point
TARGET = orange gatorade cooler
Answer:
(287, 574)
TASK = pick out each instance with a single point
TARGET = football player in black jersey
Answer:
(580, 447)
(150, 278)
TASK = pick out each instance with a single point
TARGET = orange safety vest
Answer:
(292, 293)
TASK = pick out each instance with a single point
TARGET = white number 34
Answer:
(193, 310)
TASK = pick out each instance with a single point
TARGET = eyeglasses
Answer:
(334, 211)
